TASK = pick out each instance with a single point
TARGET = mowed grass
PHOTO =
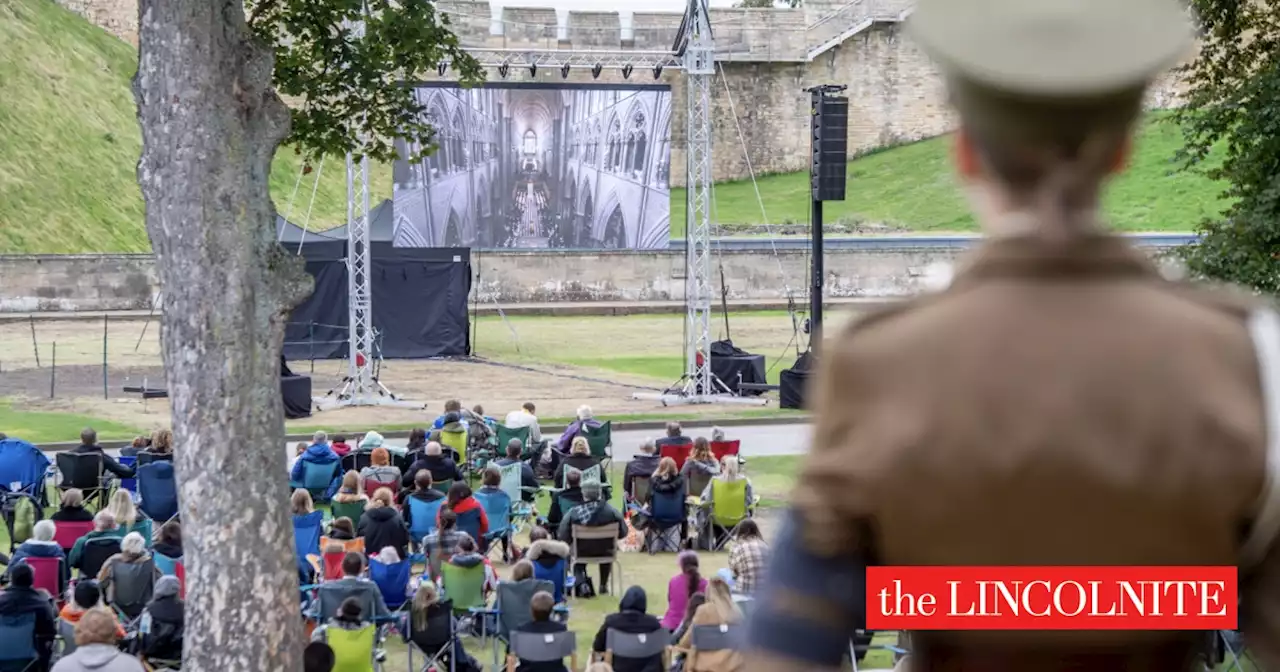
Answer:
(913, 187)
(71, 141)
(50, 426)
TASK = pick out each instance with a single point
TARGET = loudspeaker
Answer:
(830, 146)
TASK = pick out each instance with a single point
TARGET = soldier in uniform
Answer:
(1060, 403)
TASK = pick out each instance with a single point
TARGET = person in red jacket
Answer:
(462, 503)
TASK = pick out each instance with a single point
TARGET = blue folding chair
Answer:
(392, 581)
(130, 484)
(469, 522)
(317, 477)
(497, 506)
(555, 574)
(307, 530)
(23, 468)
(668, 510)
(158, 490)
(18, 642)
(422, 520)
(168, 566)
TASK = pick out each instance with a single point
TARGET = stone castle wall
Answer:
(767, 56)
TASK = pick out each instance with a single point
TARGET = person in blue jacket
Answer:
(318, 452)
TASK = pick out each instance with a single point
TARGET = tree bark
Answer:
(210, 126)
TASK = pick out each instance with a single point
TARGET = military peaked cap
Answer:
(1056, 49)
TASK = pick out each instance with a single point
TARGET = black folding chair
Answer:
(637, 645)
(83, 471)
(436, 642)
(94, 554)
(542, 648)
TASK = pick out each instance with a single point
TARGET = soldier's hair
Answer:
(1051, 155)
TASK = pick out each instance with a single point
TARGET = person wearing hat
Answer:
(592, 512)
(164, 622)
(22, 599)
(350, 618)
(1060, 403)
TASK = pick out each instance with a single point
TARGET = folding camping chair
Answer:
(21, 513)
(457, 442)
(172, 567)
(307, 531)
(512, 610)
(678, 451)
(1235, 657)
(465, 588)
(422, 518)
(589, 475)
(349, 510)
(638, 645)
(372, 485)
(22, 469)
(147, 457)
(599, 439)
(392, 581)
(469, 522)
(18, 642)
(435, 642)
(720, 449)
(131, 588)
(442, 486)
(667, 511)
(729, 507)
(130, 484)
(709, 638)
(640, 489)
(353, 650)
(503, 435)
(864, 641)
(159, 491)
(542, 648)
(67, 533)
(83, 471)
(497, 506)
(317, 477)
(94, 554)
(356, 461)
(601, 533)
(48, 575)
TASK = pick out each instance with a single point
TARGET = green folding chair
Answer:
(592, 475)
(504, 435)
(442, 486)
(464, 586)
(352, 510)
(600, 439)
(729, 507)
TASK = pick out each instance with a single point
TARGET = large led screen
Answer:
(539, 166)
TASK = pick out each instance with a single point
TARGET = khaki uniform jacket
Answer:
(1058, 404)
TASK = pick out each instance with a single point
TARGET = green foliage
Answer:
(1235, 100)
(347, 62)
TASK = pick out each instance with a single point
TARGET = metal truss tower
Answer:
(360, 387)
(699, 385)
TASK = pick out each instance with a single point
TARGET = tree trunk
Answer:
(210, 126)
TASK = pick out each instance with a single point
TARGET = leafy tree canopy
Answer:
(343, 64)
(1235, 101)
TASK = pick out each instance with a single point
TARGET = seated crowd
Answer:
(113, 595)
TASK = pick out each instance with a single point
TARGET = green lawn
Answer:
(912, 187)
(71, 141)
(48, 427)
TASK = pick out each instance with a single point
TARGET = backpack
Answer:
(582, 585)
(21, 513)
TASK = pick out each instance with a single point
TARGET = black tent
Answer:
(382, 224)
(419, 302)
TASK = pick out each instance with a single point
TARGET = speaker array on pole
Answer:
(830, 144)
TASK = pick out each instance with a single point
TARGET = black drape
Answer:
(419, 302)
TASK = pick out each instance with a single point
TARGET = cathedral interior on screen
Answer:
(538, 167)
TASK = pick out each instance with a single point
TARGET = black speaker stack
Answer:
(829, 145)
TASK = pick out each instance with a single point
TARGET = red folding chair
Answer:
(722, 448)
(180, 571)
(678, 452)
(48, 575)
(371, 486)
(67, 533)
